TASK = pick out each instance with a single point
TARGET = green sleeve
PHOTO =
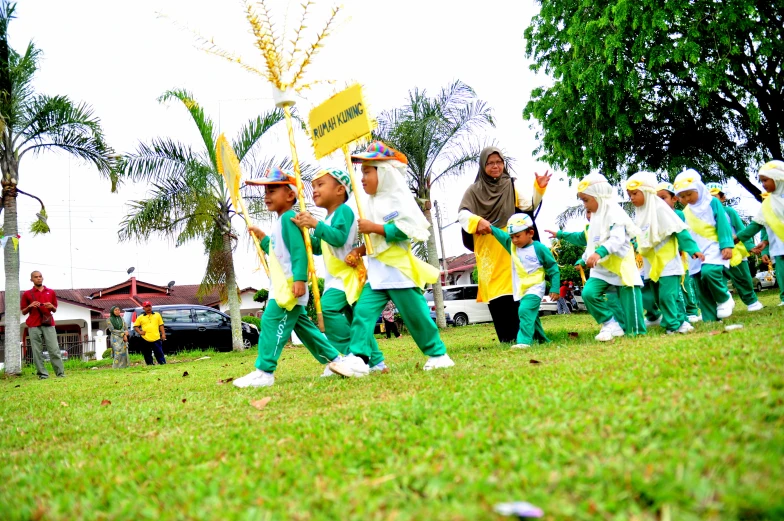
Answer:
(722, 224)
(336, 233)
(748, 233)
(393, 234)
(680, 214)
(686, 243)
(550, 266)
(764, 237)
(502, 237)
(315, 244)
(292, 239)
(738, 225)
(264, 243)
(576, 238)
(602, 252)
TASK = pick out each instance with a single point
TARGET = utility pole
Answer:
(441, 240)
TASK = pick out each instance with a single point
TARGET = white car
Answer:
(460, 302)
(550, 307)
(764, 279)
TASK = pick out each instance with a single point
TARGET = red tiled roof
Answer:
(185, 294)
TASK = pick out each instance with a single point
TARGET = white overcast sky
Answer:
(120, 56)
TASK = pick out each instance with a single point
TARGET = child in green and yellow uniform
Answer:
(662, 234)
(288, 296)
(394, 273)
(333, 239)
(610, 256)
(691, 265)
(739, 264)
(710, 228)
(532, 262)
(770, 219)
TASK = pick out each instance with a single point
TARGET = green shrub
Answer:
(252, 320)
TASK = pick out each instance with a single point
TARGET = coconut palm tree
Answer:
(189, 199)
(31, 124)
(436, 134)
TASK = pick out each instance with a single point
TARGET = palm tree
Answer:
(189, 198)
(31, 124)
(435, 134)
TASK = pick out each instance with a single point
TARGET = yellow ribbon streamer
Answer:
(353, 278)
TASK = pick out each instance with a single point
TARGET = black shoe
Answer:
(42, 377)
(61, 376)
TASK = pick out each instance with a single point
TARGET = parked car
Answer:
(460, 302)
(764, 279)
(550, 307)
(190, 326)
(63, 355)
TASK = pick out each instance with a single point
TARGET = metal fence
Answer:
(69, 343)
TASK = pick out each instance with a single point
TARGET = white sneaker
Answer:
(520, 346)
(725, 310)
(611, 329)
(380, 367)
(685, 328)
(327, 371)
(255, 379)
(438, 362)
(756, 306)
(780, 304)
(653, 323)
(693, 319)
(350, 366)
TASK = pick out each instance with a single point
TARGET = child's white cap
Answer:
(519, 222)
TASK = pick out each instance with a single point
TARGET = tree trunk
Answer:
(233, 297)
(13, 346)
(432, 259)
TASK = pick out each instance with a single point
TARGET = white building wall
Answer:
(248, 306)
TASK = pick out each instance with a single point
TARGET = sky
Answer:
(121, 56)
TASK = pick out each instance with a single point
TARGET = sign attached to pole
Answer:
(342, 119)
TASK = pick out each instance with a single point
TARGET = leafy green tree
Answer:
(189, 199)
(435, 133)
(658, 85)
(567, 255)
(31, 124)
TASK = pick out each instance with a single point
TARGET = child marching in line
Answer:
(288, 296)
(393, 219)
(739, 264)
(711, 230)
(770, 219)
(662, 234)
(610, 255)
(691, 265)
(532, 262)
(333, 239)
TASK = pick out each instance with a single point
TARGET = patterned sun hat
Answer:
(519, 222)
(714, 188)
(275, 176)
(378, 151)
(666, 185)
(340, 176)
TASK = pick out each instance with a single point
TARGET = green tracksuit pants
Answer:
(779, 261)
(689, 293)
(531, 329)
(741, 280)
(664, 297)
(276, 327)
(711, 289)
(412, 307)
(338, 315)
(627, 308)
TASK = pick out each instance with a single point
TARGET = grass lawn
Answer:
(658, 427)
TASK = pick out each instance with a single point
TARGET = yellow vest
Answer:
(658, 259)
(527, 280)
(703, 229)
(419, 271)
(773, 222)
(353, 278)
(625, 267)
(281, 285)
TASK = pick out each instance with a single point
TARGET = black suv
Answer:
(189, 326)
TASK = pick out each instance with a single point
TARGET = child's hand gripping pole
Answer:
(259, 251)
(314, 288)
(360, 210)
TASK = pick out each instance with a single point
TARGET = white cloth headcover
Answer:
(608, 214)
(655, 218)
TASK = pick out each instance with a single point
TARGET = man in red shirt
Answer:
(41, 302)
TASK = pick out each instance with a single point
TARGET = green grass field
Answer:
(658, 427)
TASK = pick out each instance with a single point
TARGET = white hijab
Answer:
(691, 180)
(774, 170)
(394, 201)
(608, 214)
(656, 219)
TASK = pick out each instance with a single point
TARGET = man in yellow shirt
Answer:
(150, 328)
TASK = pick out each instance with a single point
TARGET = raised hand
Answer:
(544, 179)
(553, 234)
